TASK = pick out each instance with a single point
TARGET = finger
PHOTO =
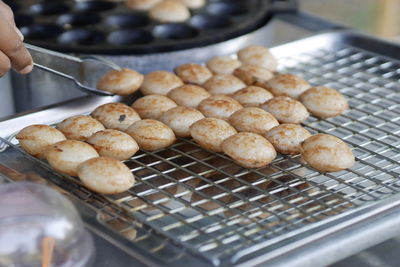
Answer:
(6, 11)
(5, 64)
(21, 36)
(12, 46)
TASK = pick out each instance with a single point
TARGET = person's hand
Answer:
(13, 53)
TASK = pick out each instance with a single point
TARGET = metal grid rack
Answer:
(202, 202)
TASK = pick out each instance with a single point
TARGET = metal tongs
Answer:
(38, 53)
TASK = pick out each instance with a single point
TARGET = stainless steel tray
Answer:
(194, 207)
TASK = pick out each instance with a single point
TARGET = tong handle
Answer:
(37, 49)
(76, 62)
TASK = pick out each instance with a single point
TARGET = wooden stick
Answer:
(48, 244)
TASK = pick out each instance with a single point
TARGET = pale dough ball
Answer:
(219, 106)
(287, 85)
(223, 84)
(259, 56)
(327, 153)
(106, 175)
(287, 138)
(141, 5)
(324, 102)
(252, 96)
(223, 64)
(252, 119)
(35, 139)
(124, 82)
(188, 95)
(151, 134)
(79, 127)
(286, 109)
(180, 119)
(153, 106)
(249, 150)
(115, 116)
(114, 144)
(193, 4)
(160, 83)
(193, 73)
(253, 75)
(209, 133)
(169, 11)
(65, 156)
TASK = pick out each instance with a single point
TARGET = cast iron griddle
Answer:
(103, 27)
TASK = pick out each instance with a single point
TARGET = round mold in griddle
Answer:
(49, 8)
(94, 6)
(127, 20)
(205, 21)
(175, 31)
(217, 21)
(227, 8)
(78, 19)
(22, 20)
(129, 36)
(81, 37)
(41, 31)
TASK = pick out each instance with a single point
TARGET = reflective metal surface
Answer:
(190, 205)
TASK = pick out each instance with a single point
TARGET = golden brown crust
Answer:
(286, 109)
(151, 134)
(114, 144)
(115, 115)
(193, 73)
(287, 138)
(209, 133)
(223, 64)
(79, 127)
(324, 102)
(179, 119)
(252, 96)
(249, 150)
(124, 82)
(252, 119)
(105, 175)
(65, 156)
(327, 153)
(223, 84)
(152, 106)
(253, 75)
(188, 95)
(259, 56)
(287, 85)
(160, 83)
(35, 139)
(219, 106)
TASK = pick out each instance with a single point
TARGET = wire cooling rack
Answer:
(189, 200)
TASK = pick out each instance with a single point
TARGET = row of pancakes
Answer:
(241, 107)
